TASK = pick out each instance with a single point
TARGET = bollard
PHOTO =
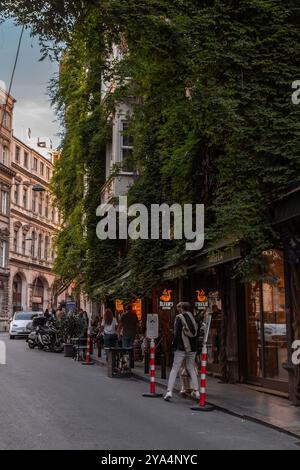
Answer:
(146, 359)
(202, 403)
(152, 393)
(88, 361)
(163, 366)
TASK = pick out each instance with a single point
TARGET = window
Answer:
(4, 202)
(46, 248)
(25, 199)
(42, 168)
(3, 254)
(5, 155)
(35, 164)
(40, 246)
(33, 244)
(48, 173)
(18, 154)
(267, 322)
(34, 201)
(126, 148)
(47, 207)
(41, 204)
(24, 237)
(16, 195)
(26, 159)
(16, 236)
(6, 120)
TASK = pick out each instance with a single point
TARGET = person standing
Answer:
(128, 326)
(185, 345)
(109, 329)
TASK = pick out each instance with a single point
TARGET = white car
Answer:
(20, 322)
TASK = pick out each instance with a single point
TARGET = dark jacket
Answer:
(178, 342)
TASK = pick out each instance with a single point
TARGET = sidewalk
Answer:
(240, 401)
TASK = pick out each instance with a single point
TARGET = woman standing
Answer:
(185, 345)
(109, 328)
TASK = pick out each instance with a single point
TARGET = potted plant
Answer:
(70, 328)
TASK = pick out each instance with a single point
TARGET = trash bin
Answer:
(119, 362)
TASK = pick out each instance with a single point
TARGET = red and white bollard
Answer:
(152, 393)
(88, 361)
(202, 403)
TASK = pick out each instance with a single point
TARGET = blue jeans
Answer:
(127, 341)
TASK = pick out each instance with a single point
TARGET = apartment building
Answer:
(33, 224)
(6, 178)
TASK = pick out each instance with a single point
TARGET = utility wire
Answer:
(12, 76)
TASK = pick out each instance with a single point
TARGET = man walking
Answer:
(128, 327)
(185, 345)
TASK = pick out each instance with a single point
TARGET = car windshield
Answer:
(24, 316)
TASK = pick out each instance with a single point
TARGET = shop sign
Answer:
(152, 326)
(201, 299)
(37, 300)
(71, 306)
(166, 300)
(137, 308)
(119, 306)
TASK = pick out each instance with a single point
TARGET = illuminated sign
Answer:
(166, 300)
(119, 306)
(137, 308)
(201, 299)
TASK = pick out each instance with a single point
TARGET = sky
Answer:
(33, 109)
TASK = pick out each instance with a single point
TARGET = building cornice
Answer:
(17, 263)
(34, 220)
(7, 171)
(20, 169)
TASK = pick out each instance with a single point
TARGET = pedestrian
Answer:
(128, 327)
(185, 346)
(83, 323)
(109, 329)
(59, 313)
(47, 314)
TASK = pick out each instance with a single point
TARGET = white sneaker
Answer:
(168, 396)
(195, 394)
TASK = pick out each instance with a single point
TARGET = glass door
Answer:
(267, 325)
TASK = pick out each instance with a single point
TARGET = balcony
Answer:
(116, 186)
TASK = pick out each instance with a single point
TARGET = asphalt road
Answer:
(50, 402)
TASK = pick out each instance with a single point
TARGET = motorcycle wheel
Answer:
(41, 347)
(31, 346)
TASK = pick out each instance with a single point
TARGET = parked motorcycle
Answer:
(45, 335)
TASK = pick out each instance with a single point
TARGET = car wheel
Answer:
(11, 337)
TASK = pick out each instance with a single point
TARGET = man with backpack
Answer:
(185, 345)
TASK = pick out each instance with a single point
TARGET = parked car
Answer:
(20, 324)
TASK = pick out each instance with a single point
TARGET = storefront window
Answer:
(274, 317)
(267, 322)
(215, 334)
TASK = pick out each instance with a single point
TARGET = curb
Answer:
(225, 410)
